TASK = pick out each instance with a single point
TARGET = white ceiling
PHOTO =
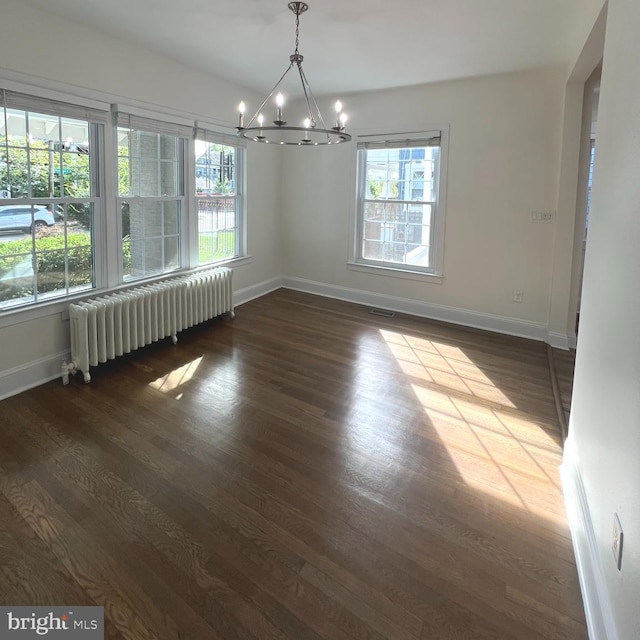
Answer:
(349, 45)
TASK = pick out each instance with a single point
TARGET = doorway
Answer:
(585, 178)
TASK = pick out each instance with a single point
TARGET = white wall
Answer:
(505, 137)
(603, 450)
(49, 51)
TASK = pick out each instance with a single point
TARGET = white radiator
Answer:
(109, 326)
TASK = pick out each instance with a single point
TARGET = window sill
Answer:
(27, 313)
(233, 262)
(394, 272)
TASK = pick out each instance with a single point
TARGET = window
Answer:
(218, 202)
(50, 155)
(151, 196)
(400, 209)
(96, 195)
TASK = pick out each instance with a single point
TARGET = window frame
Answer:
(356, 261)
(131, 119)
(95, 116)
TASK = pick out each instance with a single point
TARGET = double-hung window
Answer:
(400, 201)
(151, 194)
(50, 197)
(218, 201)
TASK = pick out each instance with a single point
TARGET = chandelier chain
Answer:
(297, 31)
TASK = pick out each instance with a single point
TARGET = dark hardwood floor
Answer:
(306, 471)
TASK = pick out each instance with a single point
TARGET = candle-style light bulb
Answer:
(279, 103)
(260, 123)
(307, 124)
(343, 120)
(241, 109)
(338, 108)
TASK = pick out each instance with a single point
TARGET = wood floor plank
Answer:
(80, 558)
(306, 472)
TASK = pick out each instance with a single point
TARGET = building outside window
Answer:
(151, 195)
(218, 202)
(400, 210)
(50, 200)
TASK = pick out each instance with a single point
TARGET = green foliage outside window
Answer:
(222, 186)
(375, 188)
(216, 246)
(38, 169)
(49, 262)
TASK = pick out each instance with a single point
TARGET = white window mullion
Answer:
(109, 223)
(190, 211)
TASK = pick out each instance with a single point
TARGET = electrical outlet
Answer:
(618, 537)
(518, 296)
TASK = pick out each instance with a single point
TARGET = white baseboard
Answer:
(31, 374)
(256, 291)
(562, 340)
(558, 340)
(594, 592)
(454, 315)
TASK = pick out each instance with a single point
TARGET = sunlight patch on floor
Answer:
(491, 442)
(444, 365)
(176, 378)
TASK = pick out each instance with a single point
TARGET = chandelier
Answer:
(309, 131)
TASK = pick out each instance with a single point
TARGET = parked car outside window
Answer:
(24, 218)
